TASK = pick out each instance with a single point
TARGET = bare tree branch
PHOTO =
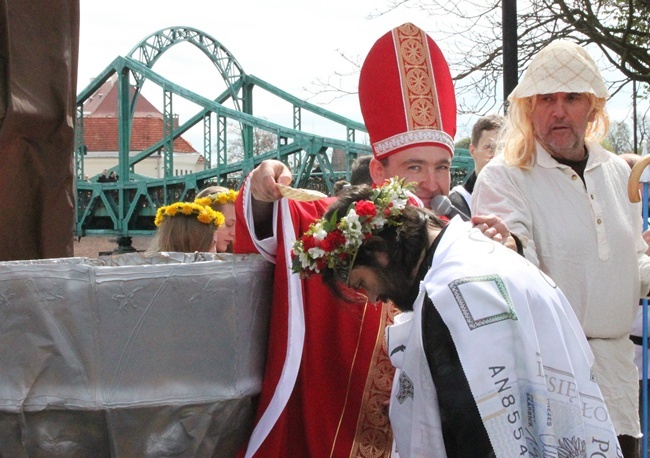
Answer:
(471, 32)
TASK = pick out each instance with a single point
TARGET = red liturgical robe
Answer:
(327, 377)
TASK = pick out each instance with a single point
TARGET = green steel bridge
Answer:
(127, 207)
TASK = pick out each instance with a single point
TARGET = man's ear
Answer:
(377, 171)
(472, 150)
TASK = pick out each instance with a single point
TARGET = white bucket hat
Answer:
(562, 66)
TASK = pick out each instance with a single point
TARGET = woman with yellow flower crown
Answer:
(222, 200)
(186, 227)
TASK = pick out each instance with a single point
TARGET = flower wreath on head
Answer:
(205, 214)
(225, 197)
(333, 244)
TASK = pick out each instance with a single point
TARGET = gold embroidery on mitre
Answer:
(418, 84)
(374, 436)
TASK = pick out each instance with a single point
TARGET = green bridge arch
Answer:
(127, 207)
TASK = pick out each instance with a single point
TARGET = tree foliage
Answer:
(263, 141)
(619, 138)
(463, 143)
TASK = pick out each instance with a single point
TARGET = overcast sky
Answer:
(288, 43)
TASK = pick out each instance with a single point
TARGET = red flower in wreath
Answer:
(366, 208)
(333, 240)
(309, 242)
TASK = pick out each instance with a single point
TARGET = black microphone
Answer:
(442, 206)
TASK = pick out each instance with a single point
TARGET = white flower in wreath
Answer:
(379, 222)
(306, 261)
(400, 204)
(351, 227)
(316, 252)
(320, 233)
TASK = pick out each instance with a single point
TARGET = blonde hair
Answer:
(517, 139)
(212, 190)
(186, 227)
(184, 234)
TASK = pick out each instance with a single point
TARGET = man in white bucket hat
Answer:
(565, 198)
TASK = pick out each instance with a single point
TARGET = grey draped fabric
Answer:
(131, 355)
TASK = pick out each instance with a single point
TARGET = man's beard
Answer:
(398, 287)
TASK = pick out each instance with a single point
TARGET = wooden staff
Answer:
(633, 192)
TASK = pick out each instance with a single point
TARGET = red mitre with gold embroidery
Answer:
(406, 93)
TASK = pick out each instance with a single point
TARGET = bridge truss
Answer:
(127, 207)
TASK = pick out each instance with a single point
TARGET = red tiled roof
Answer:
(100, 123)
(100, 134)
(103, 103)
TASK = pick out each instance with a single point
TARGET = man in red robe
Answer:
(328, 378)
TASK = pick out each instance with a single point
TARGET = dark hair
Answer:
(361, 171)
(489, 122)
(403, 243)
(339, 186)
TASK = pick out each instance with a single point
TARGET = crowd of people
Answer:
(397, 331)
(106, 177)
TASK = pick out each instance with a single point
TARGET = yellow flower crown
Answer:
(225, 197)
(203, 213)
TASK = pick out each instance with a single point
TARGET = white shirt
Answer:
(587, 237)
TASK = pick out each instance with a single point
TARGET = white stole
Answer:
(523, 351)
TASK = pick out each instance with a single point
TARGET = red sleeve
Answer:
(303, 214)
(243, 242)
